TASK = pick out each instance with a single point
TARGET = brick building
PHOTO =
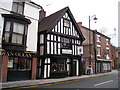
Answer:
(96, 51)
(118, 56)
(114, 56)
(18, 39)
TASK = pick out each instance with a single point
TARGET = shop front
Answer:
(58, 67)
(103, 65)
(18, 66)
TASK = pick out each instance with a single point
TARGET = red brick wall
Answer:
(113, 55)
(34, 68)
(4, 68)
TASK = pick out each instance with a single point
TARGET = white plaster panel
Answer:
(32, 36)
(6, 4)
(31, 11)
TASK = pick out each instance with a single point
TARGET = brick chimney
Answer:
(79, 24)
(42, 14)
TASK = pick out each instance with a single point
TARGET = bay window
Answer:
(7, 31)
(14, 32)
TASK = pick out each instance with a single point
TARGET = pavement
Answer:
(25, 83)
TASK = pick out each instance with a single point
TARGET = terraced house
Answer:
(32, 45)
(59, 46)
(18, 39)
(99, 46)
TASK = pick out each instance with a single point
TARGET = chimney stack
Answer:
(79, 24)
(42, 14)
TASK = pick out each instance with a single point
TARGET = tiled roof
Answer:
(49, 21)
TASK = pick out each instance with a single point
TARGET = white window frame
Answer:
(98, 38)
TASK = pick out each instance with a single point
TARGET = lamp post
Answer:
(91, 18)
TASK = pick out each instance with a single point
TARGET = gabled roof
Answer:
(49, 22)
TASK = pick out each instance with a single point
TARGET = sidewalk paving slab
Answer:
(13, 84)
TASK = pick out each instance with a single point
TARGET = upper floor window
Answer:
(107, 41)
(98, 38)
(66, 26)
(18, 7)
(15, 32)
(18, 32)
(66, 43)
(98, 51)
(66, 23)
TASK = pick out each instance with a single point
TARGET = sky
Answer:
(105, 10)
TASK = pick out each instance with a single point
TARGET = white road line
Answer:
(103, 82)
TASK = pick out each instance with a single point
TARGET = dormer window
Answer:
(18, 7)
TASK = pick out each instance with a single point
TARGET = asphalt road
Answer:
(108, 81)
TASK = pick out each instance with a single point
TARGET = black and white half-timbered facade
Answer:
(59, 46)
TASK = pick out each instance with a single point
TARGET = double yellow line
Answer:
(42, 85)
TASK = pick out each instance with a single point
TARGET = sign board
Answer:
(84, 59)
(10, 64)
(80, 50)
(66, 51)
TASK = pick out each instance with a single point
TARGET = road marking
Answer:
(103, 82)
(40, 85)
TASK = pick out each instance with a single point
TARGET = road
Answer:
(108, 81)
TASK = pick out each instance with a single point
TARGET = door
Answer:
(74, 68)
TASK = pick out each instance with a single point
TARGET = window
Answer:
(66, 43)
(66, 26)
(107, 41)
(18, 31)
(48, 47)
(7, 31)
(19, 63)
(98, 38)
(15, 32)
(59, 65)
(18, 7)
(98, 51)
(41, 50)
(41, 39)
(66, 23)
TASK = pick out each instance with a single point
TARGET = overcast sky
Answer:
(105, 10)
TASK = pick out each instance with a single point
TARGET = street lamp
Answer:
(95, 19)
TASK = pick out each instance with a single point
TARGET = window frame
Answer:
(12, 21)
(17, 64)
(99, 52)
(17, 7)
(66, 26)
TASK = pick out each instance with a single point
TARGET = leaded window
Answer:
(66, 43)
(59, 65)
